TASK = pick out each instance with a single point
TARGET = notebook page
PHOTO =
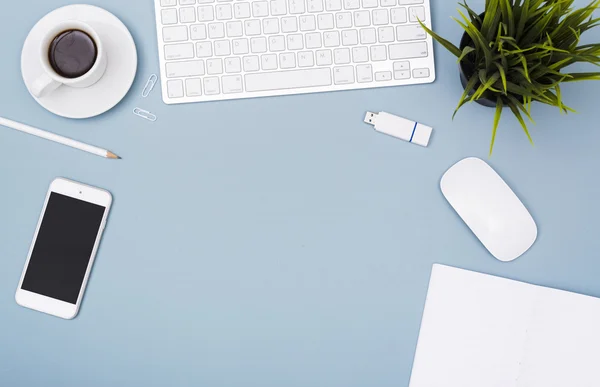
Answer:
(563, 343)
(473, 330)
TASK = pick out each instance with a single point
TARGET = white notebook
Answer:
(484, 331)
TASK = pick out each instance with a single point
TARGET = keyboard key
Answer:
(368, 36)
(235, 29)
(341, 55)
(211, 86)
(206, 13)
(416, 14)
(241, 10)
(410, 2)
(168, 3)
(360, 54)
(306, 59)
(307, 23)
(324, 58)
(287, 60)
(179, 51)
(295, 42)
(404, 65)
(370, 3)
(224, 12)
(233, 65)
(388, 3)
(398, 15)
(260, 9)
(349, 38)
(294, 79)
(258, 45)
(289, 24)
(325, 21)
(168, 16)
(314, 5)
(276, 43)
(222, 48)
(216, 30)
(175, 34)
(313, 40)
(271, 26)
(351, 4)
(362, 18)
(297, 7)
(331, 38)
(204, 49)
(401, 74)
(383, 76)
(333, 5)
(378, 53)
(175, 88)
(343, 75)
(386, 34)
(190, 68)
(268, 62)
(364, 73)
(381, 17)
(198, 31)
(187, 2)
(251, 63)
(252, 27)
(410, 32)
(240, 46)
(421, 73)
(343, 19)
(187, 15)
(232, 84)
(205, 1)
(214, 66)
(193, 87)
(408, 50)
(278, 7)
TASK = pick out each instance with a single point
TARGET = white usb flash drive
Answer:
(399, 127)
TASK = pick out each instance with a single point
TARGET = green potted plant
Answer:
(516, 52)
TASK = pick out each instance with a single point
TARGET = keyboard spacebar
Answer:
(288, 79)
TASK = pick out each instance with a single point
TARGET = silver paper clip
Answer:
(144, 114)
(149, 85)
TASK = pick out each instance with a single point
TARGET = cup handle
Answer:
(44, 85)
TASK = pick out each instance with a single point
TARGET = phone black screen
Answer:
(63, 248)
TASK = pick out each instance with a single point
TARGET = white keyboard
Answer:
(225, 49)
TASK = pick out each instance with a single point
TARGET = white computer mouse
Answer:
(490, 208)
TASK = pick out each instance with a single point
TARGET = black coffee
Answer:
(72, 53)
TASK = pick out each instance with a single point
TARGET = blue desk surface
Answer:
(279, 241)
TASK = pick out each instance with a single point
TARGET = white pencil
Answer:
(56, 138)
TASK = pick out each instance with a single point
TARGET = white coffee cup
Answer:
(50, 80)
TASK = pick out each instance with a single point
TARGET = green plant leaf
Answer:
(499, 106)
(521, 107)
(502, 76)
(447, 45)
(464, 98)
(523, 17)
(517, 114)
(466, 51)
(575, 77)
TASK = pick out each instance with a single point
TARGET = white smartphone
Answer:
(63, 249)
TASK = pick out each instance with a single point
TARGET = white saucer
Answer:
(122, 64)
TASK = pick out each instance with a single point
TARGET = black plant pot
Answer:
(466, 70)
